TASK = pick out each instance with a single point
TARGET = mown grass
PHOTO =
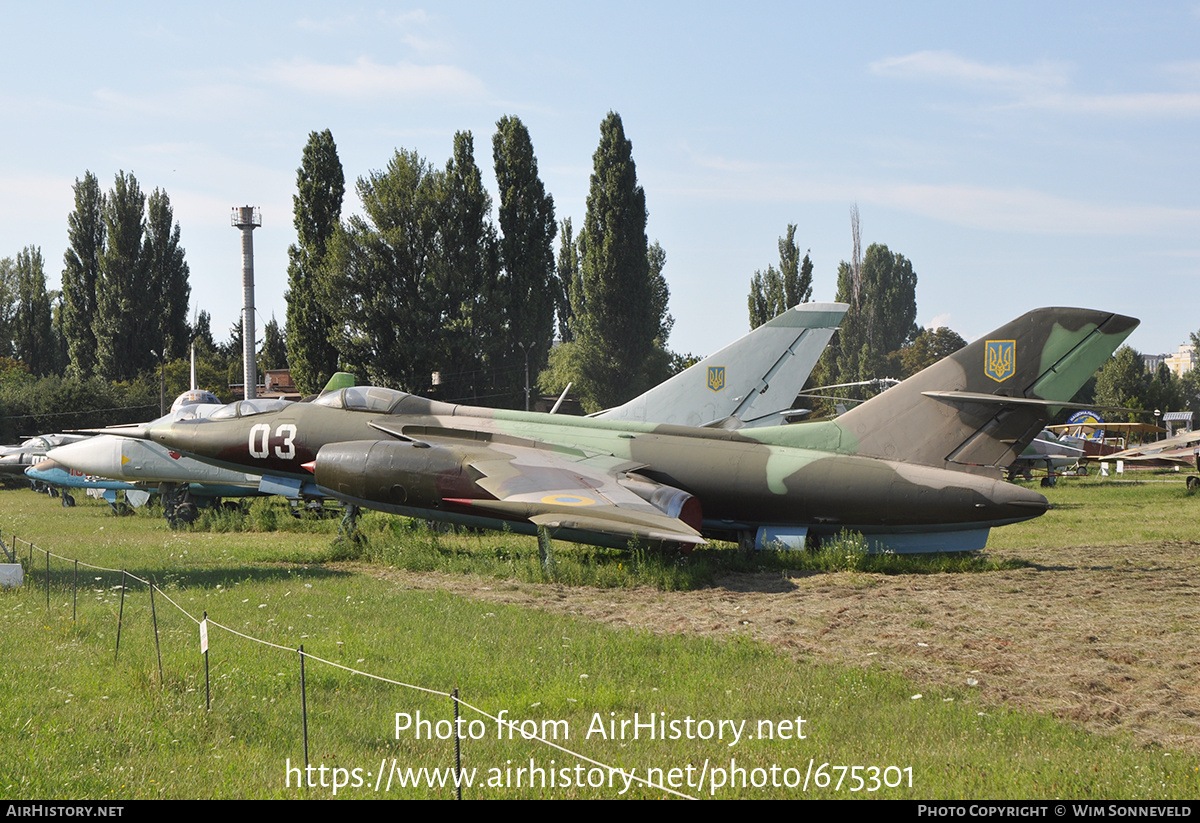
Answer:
(81, 722)
(1094, 511)
(418, 546)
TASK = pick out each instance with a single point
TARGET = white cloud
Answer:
(365, 78)
(718, 162)
(1044, 85)
(40, 196)
(1160, 104)
(1031, 212)
(1019, 210)
(949, 67)
(205, 102)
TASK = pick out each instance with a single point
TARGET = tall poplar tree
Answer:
(776, 291)
(377, 282)
(33, 340)
(317, 208)
(123, 298)
(8, 305)
(567, 285)
(167, 280)
(464, 276)
(526, 289)
(274, 348)
(617, 351)
(882, 315)
(81, 272)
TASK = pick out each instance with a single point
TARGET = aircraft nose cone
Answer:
(43, 467)
(97, 456)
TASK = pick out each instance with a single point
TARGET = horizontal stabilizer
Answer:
(982, 405)
(1005, 400)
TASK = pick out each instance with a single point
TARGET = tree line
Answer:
(424, 293)
(879, 337)
(90, 354)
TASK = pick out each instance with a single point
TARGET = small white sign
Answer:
(204, 636)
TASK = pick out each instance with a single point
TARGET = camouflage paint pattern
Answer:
(921, 462)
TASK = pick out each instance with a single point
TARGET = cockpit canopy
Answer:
(247, 408)
(371, 399)
(363, 398)
(195, 397)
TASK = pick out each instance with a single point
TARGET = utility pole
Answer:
(248, 218)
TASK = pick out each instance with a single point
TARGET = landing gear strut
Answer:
(177, 504)
(348, 528)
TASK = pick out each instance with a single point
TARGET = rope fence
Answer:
(205, 622)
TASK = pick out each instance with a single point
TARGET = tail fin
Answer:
(747, 383)
(982, 405)
(339, 380)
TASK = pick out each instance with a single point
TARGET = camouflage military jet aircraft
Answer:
(918, 468)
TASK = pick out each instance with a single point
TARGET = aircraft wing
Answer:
(555, 488)
(1182, 443)
(1176, 457)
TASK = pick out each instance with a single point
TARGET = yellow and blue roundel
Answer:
(1000, 359)
(716, 377)
(568, 500)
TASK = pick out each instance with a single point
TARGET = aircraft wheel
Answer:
(186, 512)
(53, 491)
(1049, 482)
(1193, 482)
(67, 500)
(1081, 471)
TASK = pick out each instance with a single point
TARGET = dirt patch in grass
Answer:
(1107, 637)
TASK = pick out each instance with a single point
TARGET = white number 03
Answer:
(260, 437)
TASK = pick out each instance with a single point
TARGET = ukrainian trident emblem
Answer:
(716, 377)
(1000, 359)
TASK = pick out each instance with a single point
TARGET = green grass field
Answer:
(79, 721)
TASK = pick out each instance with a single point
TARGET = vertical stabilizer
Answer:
(982, 405)
(749, 382)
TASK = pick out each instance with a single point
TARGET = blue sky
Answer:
(1019, 154)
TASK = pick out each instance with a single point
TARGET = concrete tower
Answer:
(248, 218)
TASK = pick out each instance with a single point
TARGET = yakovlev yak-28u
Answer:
(917, 468)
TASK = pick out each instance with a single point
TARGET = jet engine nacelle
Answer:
(395, 472)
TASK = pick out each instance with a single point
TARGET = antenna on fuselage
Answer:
(561, 398)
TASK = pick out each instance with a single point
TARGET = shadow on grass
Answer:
(210, 578)
(507, 556)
